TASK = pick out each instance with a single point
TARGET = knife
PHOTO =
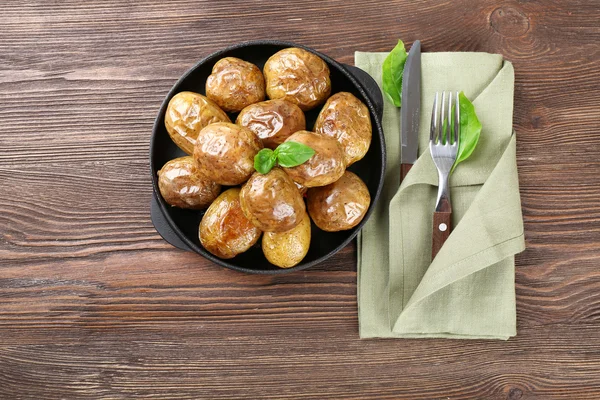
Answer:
(411, 109)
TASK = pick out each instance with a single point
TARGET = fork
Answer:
(444, 139)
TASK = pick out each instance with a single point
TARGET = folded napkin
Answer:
(468, 291)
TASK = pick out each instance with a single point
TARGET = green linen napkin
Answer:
(468, 291)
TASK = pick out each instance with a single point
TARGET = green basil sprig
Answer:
(393, 67)
(287, 154)
(470, 129)
(265, 160)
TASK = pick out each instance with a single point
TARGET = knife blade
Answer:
(411, 109)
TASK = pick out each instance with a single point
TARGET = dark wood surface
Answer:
(93, 304)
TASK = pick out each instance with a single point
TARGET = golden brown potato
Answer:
(224, 230)
(225, 153)
(298, 76)
(323, 168)
(235, 84)
(286, 249)
(272, 202)
(186, 115)
(181, 185)
(341, 205)
(272, 121)
(301, 188)
(346, 119)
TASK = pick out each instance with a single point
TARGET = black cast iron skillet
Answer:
(180, 227)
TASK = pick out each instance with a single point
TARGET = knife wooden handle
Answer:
(442, 225)
(404, 168)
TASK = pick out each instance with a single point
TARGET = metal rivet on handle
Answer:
(443, 227)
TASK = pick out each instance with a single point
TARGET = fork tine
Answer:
(434, 120)
(457, 121)
(441, 136)
(449, 134)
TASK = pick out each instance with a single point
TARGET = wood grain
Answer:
(94, 304)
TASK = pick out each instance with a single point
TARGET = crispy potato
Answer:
(301, 188)
(235, 84)
(272, 121)
(272, 202)
(224, 153)
(325, 167)
(181, 185)
(224, 230)
(286, 249)
(298, 76)
(341, 205)
(346, 119)
(186, 115)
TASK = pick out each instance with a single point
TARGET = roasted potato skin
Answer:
(224, 153)
(341, 205)
(235, 84)
(324, 167)
(286, 249)
(272, 121)
(301, 188)
(181, 185)
(224, 230)
(272, 202)
(346, 119)
(298, 76)
(186, 115)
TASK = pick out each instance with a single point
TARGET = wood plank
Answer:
(295, 361)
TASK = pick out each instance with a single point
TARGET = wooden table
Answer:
(94, 304)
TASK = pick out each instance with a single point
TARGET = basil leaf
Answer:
(470, 129)
(264, 160)
(392, 70)
(290, 154)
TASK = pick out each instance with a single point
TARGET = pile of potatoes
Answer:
(221, 156)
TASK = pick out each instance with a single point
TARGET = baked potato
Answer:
(324, 167)
(272, 202)
(341, 205)
(186, 115)
(224, 153)
(224, 230)
(301, 188)
(181, 185)
(235, 84)
(272, 121)
(286, 249)
(346, 119)
(298, 76)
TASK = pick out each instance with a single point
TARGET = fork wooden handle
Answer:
(441, 230)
